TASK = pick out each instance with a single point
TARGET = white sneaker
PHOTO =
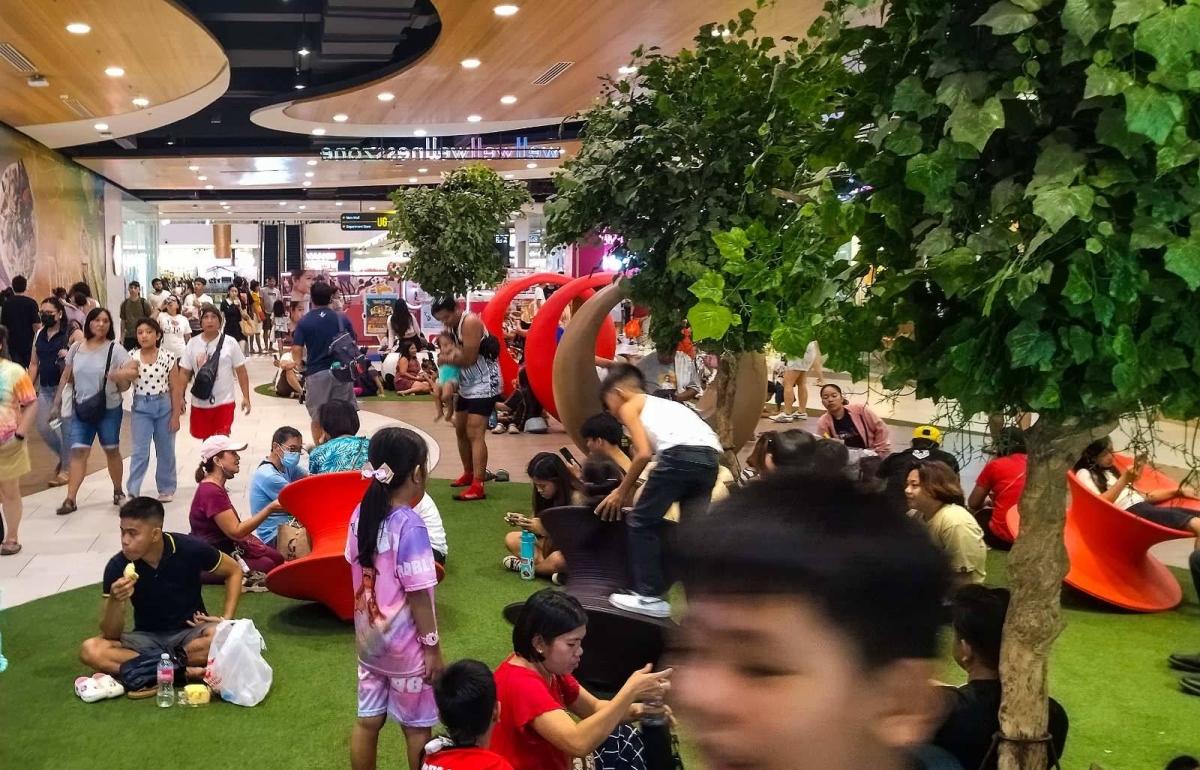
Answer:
(651, 606)
(799, 416)
(781, 417)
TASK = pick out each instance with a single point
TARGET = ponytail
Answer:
(402, 451)
(205, 468)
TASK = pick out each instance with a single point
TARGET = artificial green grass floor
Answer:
(268, 389)
(1109, 671)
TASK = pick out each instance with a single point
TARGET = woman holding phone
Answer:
(553, 487)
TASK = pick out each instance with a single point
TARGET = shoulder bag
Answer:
(91, 409)
(206, 376)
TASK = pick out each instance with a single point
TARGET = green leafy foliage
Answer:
(684, 161)
(452, 229)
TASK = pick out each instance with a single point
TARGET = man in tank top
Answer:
(686, 452)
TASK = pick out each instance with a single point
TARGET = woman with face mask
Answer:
(155, 412)
(280, 468)
(46, 369)
(214, 520)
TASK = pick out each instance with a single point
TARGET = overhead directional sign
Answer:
(367, 221)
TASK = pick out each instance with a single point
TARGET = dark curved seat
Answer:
(619, 642)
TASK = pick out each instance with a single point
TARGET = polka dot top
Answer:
(154, 378)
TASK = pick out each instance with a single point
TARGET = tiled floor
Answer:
(65, 552)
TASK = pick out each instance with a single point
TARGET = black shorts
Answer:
(1164, 515)
(480, 406)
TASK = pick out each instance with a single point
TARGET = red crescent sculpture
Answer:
(493, 319)
(541, 340)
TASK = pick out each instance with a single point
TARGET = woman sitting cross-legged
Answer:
(340, 448)
(553, 487)
(539, 699)
(855, 425)
(214, 520)
(1096, 470)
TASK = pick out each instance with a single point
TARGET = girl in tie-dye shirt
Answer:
(18, 399)
(393, 572)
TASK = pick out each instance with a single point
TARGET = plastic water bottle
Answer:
(493, 419)
(166, 682)
(528, 540)
(653, 712)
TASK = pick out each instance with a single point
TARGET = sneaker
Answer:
(474, 492)
(650, 606)
(1185, 662)
(463, 480)
(799, 417)
(513, 429)
(1190, 685)
(254, 582)
(559, 578)
(782, 417)
(499, 430)
(511, 563)
(166, 498)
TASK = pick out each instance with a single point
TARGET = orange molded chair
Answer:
(1108, 547)
(323, 504)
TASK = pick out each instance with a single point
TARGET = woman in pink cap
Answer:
(214, 520)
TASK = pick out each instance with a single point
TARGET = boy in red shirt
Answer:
(466, 701)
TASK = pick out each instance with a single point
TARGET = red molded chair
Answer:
(323, 504)
(1108, 547)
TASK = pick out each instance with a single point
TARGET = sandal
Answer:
(97, 687)
(58, 481)
(68, 506)
(10, 548)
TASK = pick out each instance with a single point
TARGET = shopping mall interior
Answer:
(976, 544)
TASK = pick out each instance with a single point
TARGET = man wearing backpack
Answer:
(213, 358)
(133, 309)
(325, 340)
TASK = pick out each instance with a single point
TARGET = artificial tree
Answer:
(1033, 215)
(685, 162)
(452, 228)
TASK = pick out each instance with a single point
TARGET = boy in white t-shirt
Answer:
(686, 452)
(214, 415)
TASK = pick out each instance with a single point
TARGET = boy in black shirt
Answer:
(160, 573)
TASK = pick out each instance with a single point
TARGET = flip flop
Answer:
(10, 548)
(142, 694)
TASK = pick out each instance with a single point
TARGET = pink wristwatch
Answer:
(429, 640)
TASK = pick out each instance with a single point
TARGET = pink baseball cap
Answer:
(215, 445)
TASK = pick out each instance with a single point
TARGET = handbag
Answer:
(91, 410)
(206, 376)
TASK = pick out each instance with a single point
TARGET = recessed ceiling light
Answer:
(508, 176)
(282, 203)
(627, 70)
(370, 208)
(312, 163)
(307, 184)
(224, 203)
(141, 101)
(341, 117)
(508, 100)
(101, 126)
(470, 64)
(208, 187)
(193, 168)
(505, 10)
(78, 28)
(339, 203)
(299, 86)
(302, 207)
(530, 165)
(413, 179)
(318, 132)
(422, 171)
(114, 72)
(202, 178)
(474, 118)
(386, 96)
(304, 51)
(310, 174)
(207, 222)
(162, 221)
(419, 132)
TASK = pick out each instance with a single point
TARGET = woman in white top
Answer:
(155, 412)
(1097, 471)
(795, 384)
(176, 330)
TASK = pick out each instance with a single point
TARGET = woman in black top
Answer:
(46, 369)
(235, 312)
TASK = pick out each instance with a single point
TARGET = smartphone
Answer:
(566, 453)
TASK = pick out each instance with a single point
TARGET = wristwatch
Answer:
(429, 640)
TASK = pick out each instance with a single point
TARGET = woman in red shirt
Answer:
(536, 691)
(1003, 479)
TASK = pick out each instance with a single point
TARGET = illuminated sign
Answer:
(364, 221)
(432, 151)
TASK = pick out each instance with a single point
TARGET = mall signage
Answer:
(432, 151)
(364, 221)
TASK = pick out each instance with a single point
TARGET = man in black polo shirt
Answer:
(168, 611)
(926, 447)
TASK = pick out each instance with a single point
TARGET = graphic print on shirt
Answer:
(364, 600)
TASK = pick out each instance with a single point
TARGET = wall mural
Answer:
(51, 219)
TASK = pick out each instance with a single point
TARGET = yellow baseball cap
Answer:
(929, 432)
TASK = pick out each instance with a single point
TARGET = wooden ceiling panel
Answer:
(166, 54)
(597, 37)
(260, 172)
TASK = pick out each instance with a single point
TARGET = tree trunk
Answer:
(1036, 568)
(726, 384)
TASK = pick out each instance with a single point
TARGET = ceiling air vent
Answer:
(77, 107)
(553, 72)
(17, 59)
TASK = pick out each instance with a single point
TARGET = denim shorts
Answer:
(108, 429)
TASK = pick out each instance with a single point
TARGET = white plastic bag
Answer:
(236, 668)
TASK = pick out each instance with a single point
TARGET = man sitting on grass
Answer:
(160, 573)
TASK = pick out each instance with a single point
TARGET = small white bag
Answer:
(236, 668)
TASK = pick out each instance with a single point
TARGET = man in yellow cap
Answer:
(926, 447)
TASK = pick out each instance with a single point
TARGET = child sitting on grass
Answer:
(466, 701)
(392, 567)
(445, 389)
